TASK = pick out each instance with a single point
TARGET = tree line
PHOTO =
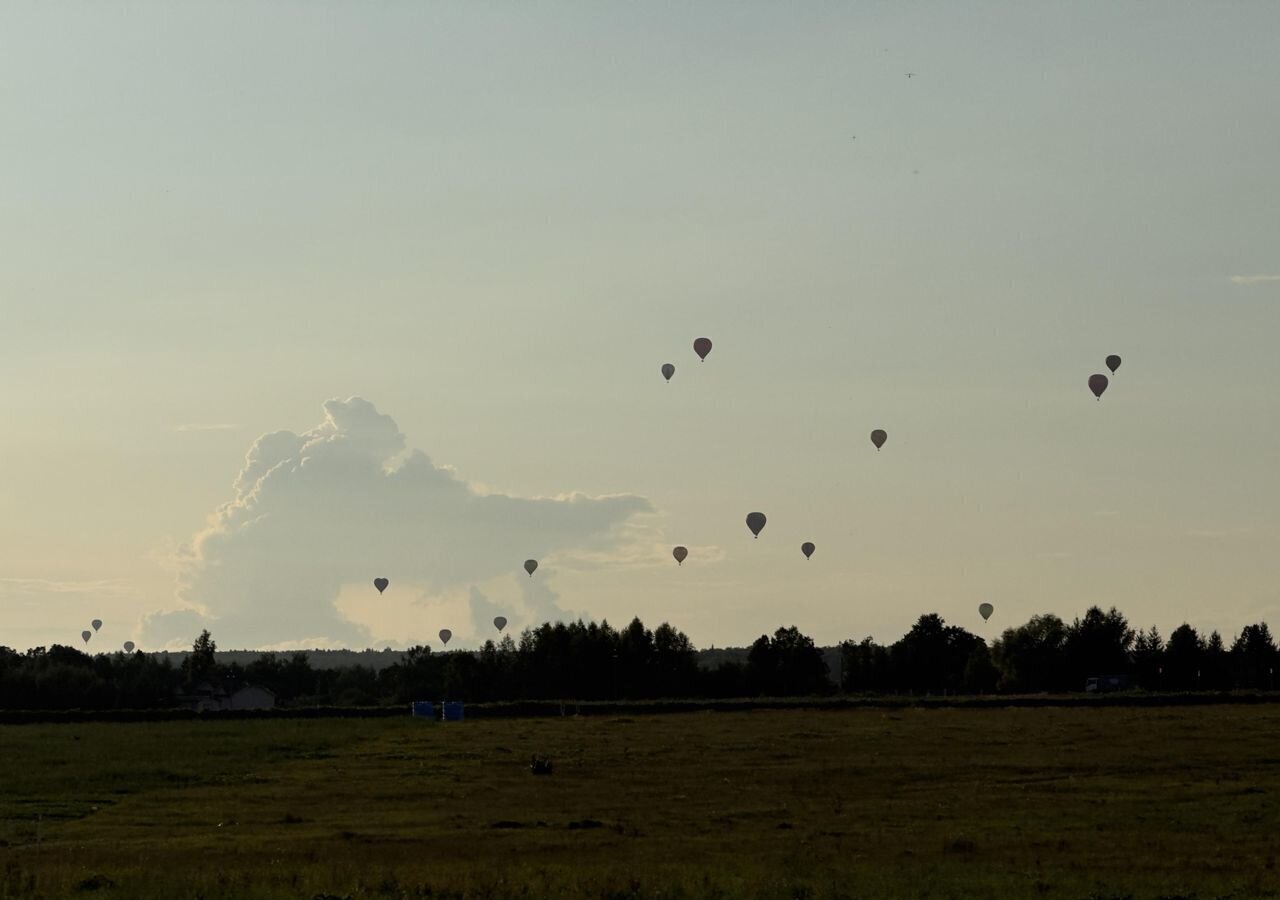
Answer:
(1047, 654)
(594, 661)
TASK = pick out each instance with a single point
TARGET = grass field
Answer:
(1056, 803)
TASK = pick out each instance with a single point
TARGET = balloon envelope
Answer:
(445, 634)
(128, 646)
(96, 623)
(530, 565)
(878, 437)
(380, 584)
(1113, 363)
(807, 549)
(668, 370)
(985, 610)
(1098, 384)
(86, 635)
(755, 521)
(702, 346)
(680, 553)
(499, 622)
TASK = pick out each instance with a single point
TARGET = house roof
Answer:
(255, 687)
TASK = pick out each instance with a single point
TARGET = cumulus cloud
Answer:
(538, 603)
(483, 611)
(1253, 279)
(172, 629)
(347, 501)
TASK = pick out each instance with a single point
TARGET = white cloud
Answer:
(346, 502)
(1253, 279)
(483, 611)
(172, 629)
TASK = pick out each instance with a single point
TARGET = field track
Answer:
(1069, 802)
(544, 708)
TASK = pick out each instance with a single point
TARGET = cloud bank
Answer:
(1253, 279)
(345, 502)
(205, 426)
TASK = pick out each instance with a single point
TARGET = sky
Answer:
(297, 295)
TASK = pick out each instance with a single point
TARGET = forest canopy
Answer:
(594, 661)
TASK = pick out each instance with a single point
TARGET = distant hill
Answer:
(319, 659)
(381, 659)
(715, 656)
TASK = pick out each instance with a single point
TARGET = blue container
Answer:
(452, 711)
(424, 709)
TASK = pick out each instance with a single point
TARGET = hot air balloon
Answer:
(1098, 384)
(128, 646)
(96, 623)
(755, 521)
(380, 584)
(85, 635)
(1113, 363)
(878, 437)
(668, 370)
(985, 610)
(702, 346)
(530, 565)
(499, 622)
(680, 553)
(807, 549)
(445, 634)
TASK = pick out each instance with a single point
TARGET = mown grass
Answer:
(1057, 803)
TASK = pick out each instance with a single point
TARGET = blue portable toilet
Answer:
(423, 709)
(452, 710)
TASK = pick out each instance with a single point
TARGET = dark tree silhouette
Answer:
(201, 663)
(1216, 671)
(592, 661)
(1098, 645)
(788, 664)
(1148, 659)
(865, 667)
(636, 654)
(1253, 657)
(1183, 659)
(675, 662)
(933, 656)
(1031, 657)
(980, 673)
(65, 678)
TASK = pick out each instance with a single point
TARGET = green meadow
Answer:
(1054, 803)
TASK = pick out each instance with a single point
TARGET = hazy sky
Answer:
(493, 223)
